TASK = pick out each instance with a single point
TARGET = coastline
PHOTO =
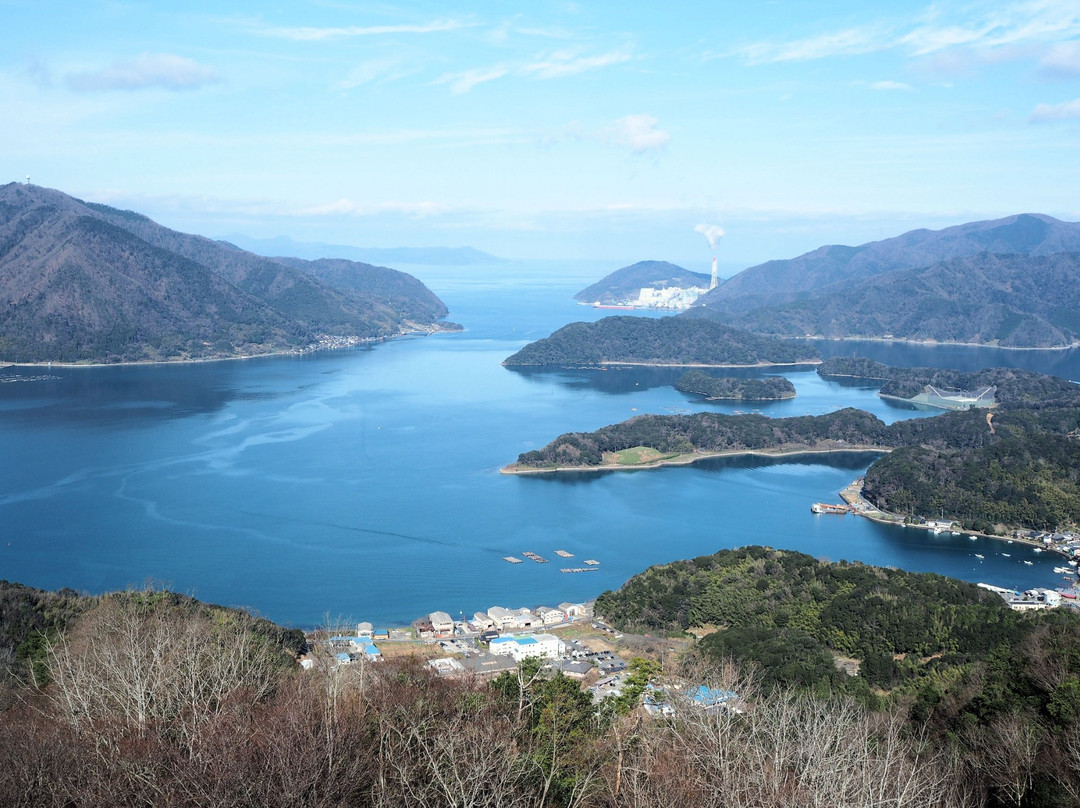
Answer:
(345, 342)
(852, 495)
(690, 459)
(592, 365)
(931, 343)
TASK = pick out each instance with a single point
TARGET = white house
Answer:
(573, 610)
(537, 645)
(482, 621)
(548, 616)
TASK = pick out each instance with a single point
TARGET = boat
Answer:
(1007, 555)
(979, 556)
(828, 507)
(1030, 563)
(1060, 570)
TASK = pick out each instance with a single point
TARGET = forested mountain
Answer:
(659, 341)
(625, 283)
(1008, 300)
(827, 269)
(86, 282)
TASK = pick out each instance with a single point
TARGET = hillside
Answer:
(1006, 300)
(624, 284)
(825, 270)
(658, 341)
(83, 282)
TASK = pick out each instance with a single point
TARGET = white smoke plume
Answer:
(712, 233)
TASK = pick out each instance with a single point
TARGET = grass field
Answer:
(637, 456)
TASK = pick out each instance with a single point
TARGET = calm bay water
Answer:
(364, 483)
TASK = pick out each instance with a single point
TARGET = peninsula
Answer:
(84, 283)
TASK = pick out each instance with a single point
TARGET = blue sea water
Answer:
(363, 484)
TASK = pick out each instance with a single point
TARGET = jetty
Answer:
(513, 560)
(539, 559)
(828, 507)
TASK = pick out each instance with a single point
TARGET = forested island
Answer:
(86, 283)
(660, 341)
(771, 388)
(1017, 468)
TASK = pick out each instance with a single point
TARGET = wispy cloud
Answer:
(149, 70)
(316, 34)
(890, 85)
(569, 63)
(560, 64)
(377, 71)
(1048, 113)
(467, 79)
(987, 25)
(348, 207)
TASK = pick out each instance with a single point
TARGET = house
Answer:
(482, 621)
(500, 617)
(363, 629)
(447, 666)
(573, 610)
(578, 669)
(549, 616)
(441, 623)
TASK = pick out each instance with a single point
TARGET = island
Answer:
(675, 341)
(732, 388)
(1015, 467)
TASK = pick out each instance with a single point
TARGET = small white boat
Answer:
(1029, 563)
(980, 556)
(1007, 555)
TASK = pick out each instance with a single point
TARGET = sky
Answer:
(562, 130)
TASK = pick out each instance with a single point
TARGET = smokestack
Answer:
(712, 283)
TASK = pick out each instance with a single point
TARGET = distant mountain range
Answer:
(83, 282)
(624, 284)
(285, 246)
(1011, 282)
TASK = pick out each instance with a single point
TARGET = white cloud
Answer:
(466, 80)
(890, 85)
(313, 34)
(162, 70)
(984, 26)
(1047, 113)
(569, 63)
(639, 132)
(347, 207)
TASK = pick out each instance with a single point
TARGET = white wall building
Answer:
(441, 623)
(537, 645)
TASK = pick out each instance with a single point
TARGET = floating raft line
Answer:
(534, 557)
(592, 562)
(580, 569)
(513, 560)
(563, 554)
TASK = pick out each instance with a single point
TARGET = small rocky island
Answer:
(732, 388)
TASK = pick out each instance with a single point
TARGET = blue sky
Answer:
(550, 130)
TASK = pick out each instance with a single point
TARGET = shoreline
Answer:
(852, 495)
(690, 459)
(597, 365)
(931, 343)
(353, 342)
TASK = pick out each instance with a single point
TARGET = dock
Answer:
(539, 559)
(580, 569)
(563, 554)
(828, 507)
(513, 560)
(592, 562)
